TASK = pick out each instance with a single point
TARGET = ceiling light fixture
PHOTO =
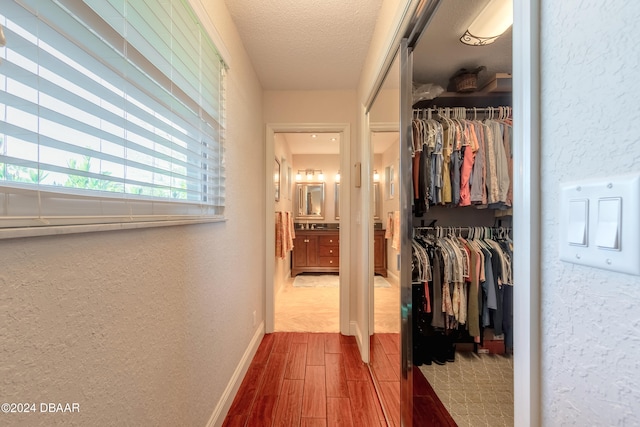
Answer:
(490, 24)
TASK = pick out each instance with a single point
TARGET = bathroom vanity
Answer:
(318, 251)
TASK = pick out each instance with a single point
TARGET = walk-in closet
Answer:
(461, 192)
(456, 208)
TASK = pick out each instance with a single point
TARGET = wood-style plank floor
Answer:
(306, 379)
(385, 366)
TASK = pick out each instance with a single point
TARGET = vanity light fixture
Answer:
(309, 174)
(376, 176)
(492, 21)
(338, 177)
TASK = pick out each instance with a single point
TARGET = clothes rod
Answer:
(464, 227)
(448, 111)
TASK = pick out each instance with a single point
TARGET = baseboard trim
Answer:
(221, 409)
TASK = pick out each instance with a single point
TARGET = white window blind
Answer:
(110, 111)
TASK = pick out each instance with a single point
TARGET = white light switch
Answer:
(609, 220)
(599, 224)
(578, 221)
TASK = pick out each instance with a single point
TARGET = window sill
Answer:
(20, 232)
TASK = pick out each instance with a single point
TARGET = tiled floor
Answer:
(476, 389)
(306, 379)
(317, 309)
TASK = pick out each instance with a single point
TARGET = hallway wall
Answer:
(142, 327)
(590, 121)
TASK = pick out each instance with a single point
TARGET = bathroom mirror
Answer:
(337, 199)
(276, 179)
(310, 200)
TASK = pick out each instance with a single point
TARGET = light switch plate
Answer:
(626, 188)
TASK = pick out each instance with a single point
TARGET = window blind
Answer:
(111, 111)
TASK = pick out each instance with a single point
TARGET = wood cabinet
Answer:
(315, 251)
(318, 251)
(379, 253)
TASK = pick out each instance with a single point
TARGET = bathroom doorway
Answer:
(310, 159)
(306, 279)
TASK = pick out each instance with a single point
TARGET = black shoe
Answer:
(451, 354)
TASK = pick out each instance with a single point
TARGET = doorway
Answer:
(306, 275)
(276, 270)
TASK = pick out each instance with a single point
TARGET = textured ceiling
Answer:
(306, 44)
(439, 52)
(321, 45)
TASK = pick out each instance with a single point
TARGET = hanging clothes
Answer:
(464, 281)
(462, 162)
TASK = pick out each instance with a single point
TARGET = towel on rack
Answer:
(388, 232)
(395, 242)
(285, 233)
(290, 233)
(280, 252)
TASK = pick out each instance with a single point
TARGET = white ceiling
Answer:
(321, 45)
(306, 44)
(439, 52)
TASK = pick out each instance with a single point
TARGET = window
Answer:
(110, 111)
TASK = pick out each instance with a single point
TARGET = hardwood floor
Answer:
(385, 367)
(306, 379)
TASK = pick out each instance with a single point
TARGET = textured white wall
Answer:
(142, 327)
(590, 122)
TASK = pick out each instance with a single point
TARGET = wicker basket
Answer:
(466, 82)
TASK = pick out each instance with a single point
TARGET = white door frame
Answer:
(527, 231)
(345, 214)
